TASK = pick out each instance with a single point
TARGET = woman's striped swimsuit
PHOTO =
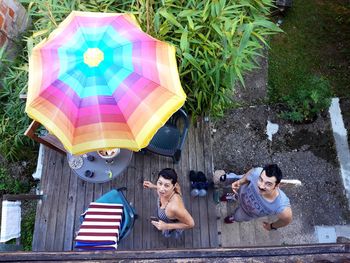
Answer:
(162, 216)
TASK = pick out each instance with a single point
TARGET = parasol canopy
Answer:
(99, 82)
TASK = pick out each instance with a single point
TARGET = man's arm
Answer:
(284, 218)
(244, 180)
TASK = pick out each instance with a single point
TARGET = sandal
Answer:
(202, 187)
(193, 176)
(201, 177)
(194, 188)
(229, 219)
(228, 197)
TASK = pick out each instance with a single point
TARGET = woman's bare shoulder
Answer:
(176, 202)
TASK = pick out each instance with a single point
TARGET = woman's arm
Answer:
(149, 185)
(177, 211)
(178, 189)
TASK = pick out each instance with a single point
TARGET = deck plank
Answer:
(53, 202)
(247, 233)
(194, 200)
(39, 231)
(130, 195)
(203, 204)
(137, 174)
(209, 171)
(97, 191)
(186, 189)
(155, 168)
(62, 207)
(145, 159)
(71, 214)
(67, 196)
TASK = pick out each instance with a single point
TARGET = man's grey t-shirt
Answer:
(254, 204)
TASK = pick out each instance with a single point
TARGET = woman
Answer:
(172, 214)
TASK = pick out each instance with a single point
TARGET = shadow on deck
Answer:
(57, 218)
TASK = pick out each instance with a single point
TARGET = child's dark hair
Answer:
(169, 174)
(273, 170)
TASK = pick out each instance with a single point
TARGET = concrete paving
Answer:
(341, 142)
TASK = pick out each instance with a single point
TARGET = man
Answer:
(259, 195)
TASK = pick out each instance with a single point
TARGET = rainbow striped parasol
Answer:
(100, 82)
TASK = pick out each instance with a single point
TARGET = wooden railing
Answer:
(298, 253)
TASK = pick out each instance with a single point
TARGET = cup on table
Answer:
(89, 173)
(109, 161)
(108, 155)
(90, 158)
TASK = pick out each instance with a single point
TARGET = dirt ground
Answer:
(303, 151)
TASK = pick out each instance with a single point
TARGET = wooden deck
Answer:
(67, 196)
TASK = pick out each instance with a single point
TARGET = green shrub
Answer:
(27, 229)
(216, 41)
(13, 121)
(306, 101)
(9, 185)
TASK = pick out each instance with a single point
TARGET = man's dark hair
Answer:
(169, 174)
(272, 170)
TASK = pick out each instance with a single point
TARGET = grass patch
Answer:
(27, 228)
(316, 42)
(11, 185)
(303, 104)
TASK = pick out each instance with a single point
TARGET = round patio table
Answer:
(92, 168)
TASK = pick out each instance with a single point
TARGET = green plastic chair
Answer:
(169, 139)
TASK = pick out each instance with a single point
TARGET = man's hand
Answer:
(267, 226)
(284, 219)
(235, 186)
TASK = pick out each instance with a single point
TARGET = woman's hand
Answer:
(160, 225)
(148, 184)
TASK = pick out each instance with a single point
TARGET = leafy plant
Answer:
(27, 229)
(13, 120)
(216, 41)
(306, 101)
(8, 185)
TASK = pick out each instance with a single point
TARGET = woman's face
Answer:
(164, 187)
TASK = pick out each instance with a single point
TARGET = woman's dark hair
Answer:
(272, 170)
(169, 174)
